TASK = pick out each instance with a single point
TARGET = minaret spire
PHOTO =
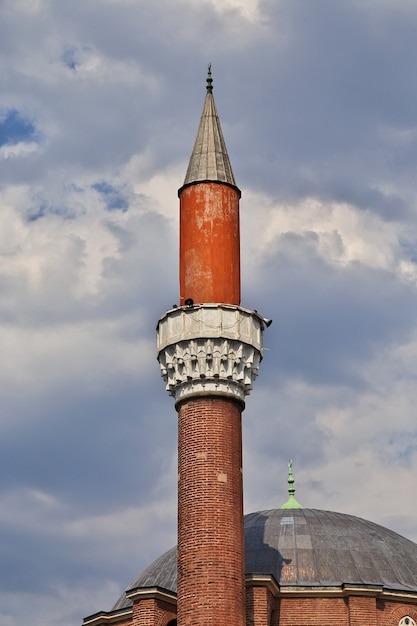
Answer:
(209, 217)
(209, 159)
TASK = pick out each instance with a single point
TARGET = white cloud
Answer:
(18, 150)
(247, 8)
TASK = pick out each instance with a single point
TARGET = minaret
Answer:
(209, 350)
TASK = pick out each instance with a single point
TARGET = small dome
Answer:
(161, 573)
(310, 548)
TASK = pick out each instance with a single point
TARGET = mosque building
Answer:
(290, 566)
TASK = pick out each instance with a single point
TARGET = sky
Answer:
(99, 106)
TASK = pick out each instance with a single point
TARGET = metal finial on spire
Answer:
(209, 80)
(291, 503)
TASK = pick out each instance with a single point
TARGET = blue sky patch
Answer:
(43, 208)
(69, 58)
(73, 56)
(15, 128)
(112, 197)
(36, 213)
(410, 248)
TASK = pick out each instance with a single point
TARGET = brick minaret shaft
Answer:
(209, 352)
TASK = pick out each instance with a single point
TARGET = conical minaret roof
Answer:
(209, 160)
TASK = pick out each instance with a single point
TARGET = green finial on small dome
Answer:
(291, 503)
(209, 80)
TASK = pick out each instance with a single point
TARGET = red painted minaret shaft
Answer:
(209, 353)
(209, 243)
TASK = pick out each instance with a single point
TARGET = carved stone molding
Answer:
(209, 350)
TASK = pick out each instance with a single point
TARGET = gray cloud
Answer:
(329, 320)
(317, 102)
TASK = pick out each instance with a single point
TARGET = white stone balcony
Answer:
(209, 349)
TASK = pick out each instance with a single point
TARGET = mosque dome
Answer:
(310, 548)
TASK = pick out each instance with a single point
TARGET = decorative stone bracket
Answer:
(209, 349)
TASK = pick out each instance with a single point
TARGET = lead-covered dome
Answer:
(310, 548)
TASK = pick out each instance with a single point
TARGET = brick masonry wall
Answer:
(260, 605)
(314, 612)
(322, 611)
(263, 609)
(362, 611)
(211, 589)
(150, 612)
(390, 613)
